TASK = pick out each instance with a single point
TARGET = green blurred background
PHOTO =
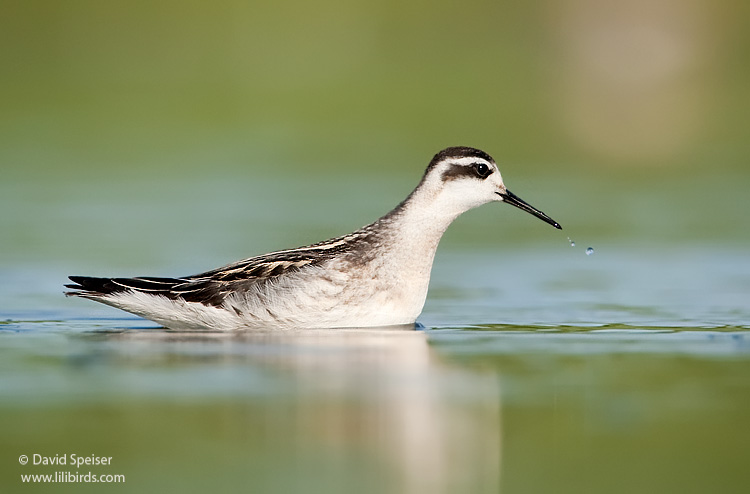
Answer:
(625, 121)
(655, 87)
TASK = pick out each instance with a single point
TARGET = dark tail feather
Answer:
(191, 290)
(88, 285)
(92, 285)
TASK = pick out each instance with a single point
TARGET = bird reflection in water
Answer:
(378, 403)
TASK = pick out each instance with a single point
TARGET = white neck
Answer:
(410, 234)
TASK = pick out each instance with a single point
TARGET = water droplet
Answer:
(589, 251)
(572, 243)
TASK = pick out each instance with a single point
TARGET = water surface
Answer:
(537, 370)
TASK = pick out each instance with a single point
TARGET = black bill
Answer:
(516, 201)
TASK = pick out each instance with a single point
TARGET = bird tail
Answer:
(89, 286)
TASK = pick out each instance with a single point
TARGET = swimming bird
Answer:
(375, 276)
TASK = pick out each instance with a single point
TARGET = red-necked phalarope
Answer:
(375, 276)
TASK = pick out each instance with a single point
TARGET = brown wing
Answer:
(212, 287)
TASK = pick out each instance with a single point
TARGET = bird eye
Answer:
(482, 170)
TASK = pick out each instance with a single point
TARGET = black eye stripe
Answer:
(477, 169)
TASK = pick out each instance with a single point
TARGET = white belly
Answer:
(315, 297)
